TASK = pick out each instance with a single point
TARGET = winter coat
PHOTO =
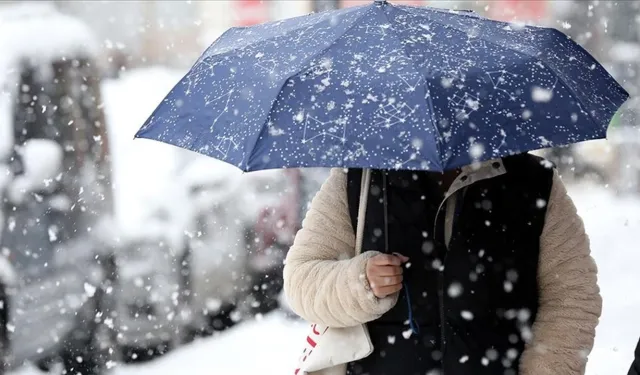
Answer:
(635, 366)
(326, 284)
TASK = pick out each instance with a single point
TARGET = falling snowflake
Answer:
(476, 150)
(455, 290)
(407, 333)
(90, 290)
(466, 315)
(541, 95)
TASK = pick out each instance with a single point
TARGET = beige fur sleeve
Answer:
(323, 281)
(570, 302)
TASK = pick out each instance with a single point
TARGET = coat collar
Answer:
(473, 173)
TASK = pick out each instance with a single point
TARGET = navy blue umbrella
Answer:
(385, 87)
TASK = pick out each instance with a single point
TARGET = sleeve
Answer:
(324, 281)
(570, 302)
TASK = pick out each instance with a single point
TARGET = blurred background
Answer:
(123, 257)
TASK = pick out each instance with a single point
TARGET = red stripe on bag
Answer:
(311, 342)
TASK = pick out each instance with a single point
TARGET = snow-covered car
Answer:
(150, 262)
(57, 268)
(244, 224)
(152, 212)
(275, 226)
(216, 242)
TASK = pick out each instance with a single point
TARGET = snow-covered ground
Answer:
(271, 345)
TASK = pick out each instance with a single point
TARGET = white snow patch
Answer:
(455, 290)
(42, 161)
(625, 52)
(476, 150)
(407, 333)
(391, 339)
(541, 94)
(35, 31)
(8, 274)
(466, 315)
(89, 289)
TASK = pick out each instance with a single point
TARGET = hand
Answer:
(384, 273)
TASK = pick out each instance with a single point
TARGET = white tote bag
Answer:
(328, 350)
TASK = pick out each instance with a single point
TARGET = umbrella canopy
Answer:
(385, 87)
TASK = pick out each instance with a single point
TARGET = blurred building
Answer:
(171, 33)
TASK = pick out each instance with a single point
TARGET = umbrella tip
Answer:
(380, 2)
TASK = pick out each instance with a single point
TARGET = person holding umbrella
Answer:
(437, 245)
(500, 280)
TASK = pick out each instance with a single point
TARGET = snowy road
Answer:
(270, 346)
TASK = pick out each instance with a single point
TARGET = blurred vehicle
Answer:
(276, 226)
(152, 212)
(241, 227)
(216, 256)
(57, 271)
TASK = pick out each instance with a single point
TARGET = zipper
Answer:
(441, 285)
(443, 342)
(463, 178)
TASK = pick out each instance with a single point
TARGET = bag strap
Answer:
(365, 183)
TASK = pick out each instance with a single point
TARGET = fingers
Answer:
(383, 281)
(385, 291)
(403, 258)
(382, 286)
(384, 273)
(386, 260)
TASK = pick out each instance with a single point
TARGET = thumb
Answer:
(403, 258)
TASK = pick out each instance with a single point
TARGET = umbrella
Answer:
(385, 86)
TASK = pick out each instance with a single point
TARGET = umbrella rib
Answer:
(545, 63)
(284, 81)
(463, 13)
